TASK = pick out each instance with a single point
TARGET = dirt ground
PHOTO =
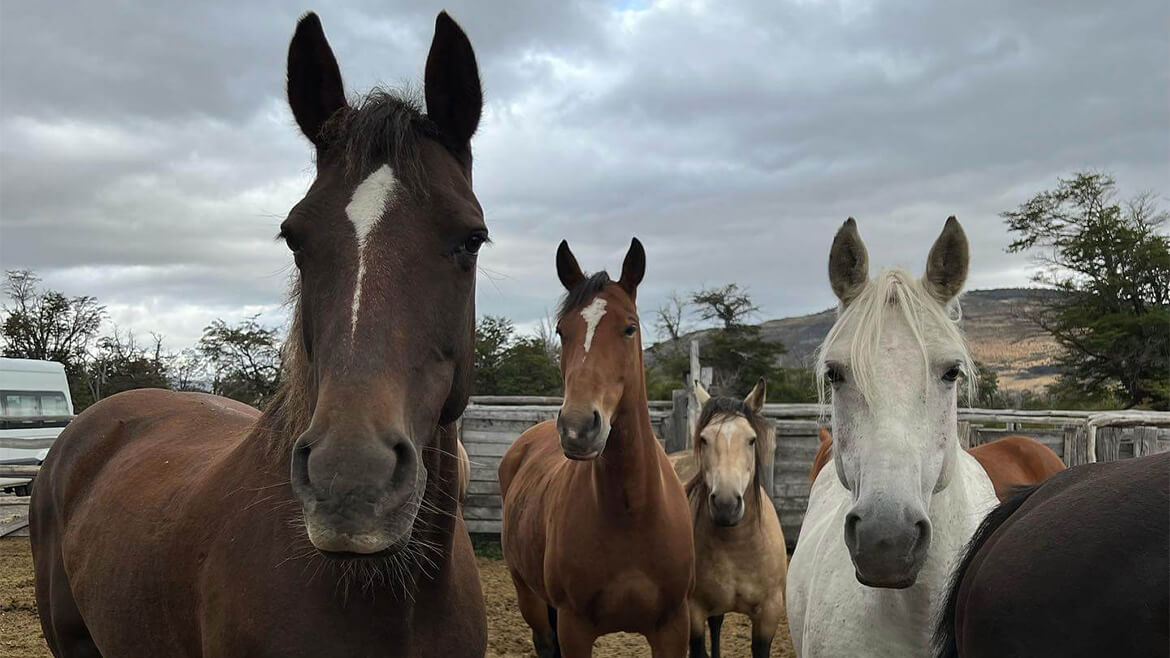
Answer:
(508, 636)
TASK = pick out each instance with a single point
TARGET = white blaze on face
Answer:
(365, 208)
(592, 314)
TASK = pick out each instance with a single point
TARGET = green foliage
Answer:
(244, 360)
(506, 364)
(47, 325)
(987, 395)
(1113, 264)
(739, 357)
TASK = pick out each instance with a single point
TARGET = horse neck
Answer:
(628, 471)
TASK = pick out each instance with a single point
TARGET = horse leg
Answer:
(670, 639)
(65, 630)
(764, 626)
(576, 636)
(698, 641)
(540, 617)
(716, 624)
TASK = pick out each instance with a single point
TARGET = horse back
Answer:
(1015, 461)
(1074, 566)
(114, 489)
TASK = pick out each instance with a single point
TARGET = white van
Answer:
(34, 407)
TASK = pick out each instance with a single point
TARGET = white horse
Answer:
(884, 526)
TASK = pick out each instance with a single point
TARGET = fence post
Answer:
(676, 436)
(692, 401)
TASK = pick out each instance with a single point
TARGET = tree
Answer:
(121, 364)
(244, 360)
(1112, 262)
(509, 365)
(47, 325)
(728, 304)
(672, 354)
(737, 353)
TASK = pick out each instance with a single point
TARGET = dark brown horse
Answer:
(1010, 462)
(1076, 566)
(180, 524)
(597, 531)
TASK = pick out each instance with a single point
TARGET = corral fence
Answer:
(491, 423)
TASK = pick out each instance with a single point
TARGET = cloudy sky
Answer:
(147, 153)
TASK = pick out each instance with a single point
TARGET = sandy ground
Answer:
(508, 636)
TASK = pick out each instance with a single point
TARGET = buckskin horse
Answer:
(184, 524)
(884, 525)
(740, 557)
(1010, 462)
(1075, 566)
(596, 528)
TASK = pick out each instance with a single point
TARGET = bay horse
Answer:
(885, 524)
(1075, 566)
(184, 524)
(596, 528)
(741, 561)
(1010, 462)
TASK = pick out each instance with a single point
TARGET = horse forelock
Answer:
(859, 329)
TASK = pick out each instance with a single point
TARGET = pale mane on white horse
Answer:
(885, 524)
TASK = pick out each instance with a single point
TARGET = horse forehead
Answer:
(727, 433)
(369, 200)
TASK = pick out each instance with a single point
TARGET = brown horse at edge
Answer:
(184, 524)
(1010, 462)
(596, 526)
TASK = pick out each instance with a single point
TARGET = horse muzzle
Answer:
(359, 498)
(726, 509)
(583, 435)
(888, 549)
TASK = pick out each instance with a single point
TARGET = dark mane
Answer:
(384, 126)
(728, 407)
(583, 292)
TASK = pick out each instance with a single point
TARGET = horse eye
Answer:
(473, 242)
(952, 374)
(631, 330)
(703, 440)
(752, 441)
(834, 375)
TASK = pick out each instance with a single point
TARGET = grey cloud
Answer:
(146, 154)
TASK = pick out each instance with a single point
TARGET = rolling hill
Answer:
(994, 321)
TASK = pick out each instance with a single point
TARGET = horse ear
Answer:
(451, 82)
(633, 268)
(946, 266)
(755, 399)
(568, 271)
(848, 262)
(315, 91)
(701, 393)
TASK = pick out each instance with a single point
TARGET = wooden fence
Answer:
(490, 424)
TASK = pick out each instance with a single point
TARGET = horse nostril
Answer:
(851, 521)
(738, 499)
(596, 420)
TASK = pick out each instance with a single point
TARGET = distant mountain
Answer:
(1020, 353)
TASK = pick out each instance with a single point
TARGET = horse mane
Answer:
(385, 126)
(945, 641)
(288, 414)
(897, 289)
(728, 407)
(582, 292)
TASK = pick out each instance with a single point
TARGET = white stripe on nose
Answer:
(592, 314)
(365, 209)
